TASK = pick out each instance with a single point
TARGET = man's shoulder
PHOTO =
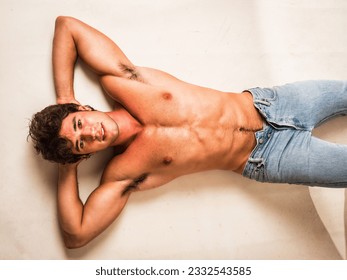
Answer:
(123, 166)
(135, 172)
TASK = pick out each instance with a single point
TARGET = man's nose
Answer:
(89, 133)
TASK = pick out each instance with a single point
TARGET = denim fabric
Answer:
(286, 151)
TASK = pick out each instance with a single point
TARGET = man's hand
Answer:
(64, 100)
(70, 165)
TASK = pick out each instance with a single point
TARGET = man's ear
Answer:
(85, 108)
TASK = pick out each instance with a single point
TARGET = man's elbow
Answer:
(64, 22)
(60, 20)
(63, 19)
(74, 241)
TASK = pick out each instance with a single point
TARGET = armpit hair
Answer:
(135, 183)
(130, 72)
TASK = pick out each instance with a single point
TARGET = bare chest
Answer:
(187, 133)
(184, 145)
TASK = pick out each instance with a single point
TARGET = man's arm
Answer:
(73, 39)
(64, 56)
(81, 223)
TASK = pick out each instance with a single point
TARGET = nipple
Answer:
(167, 160)
(167, 96)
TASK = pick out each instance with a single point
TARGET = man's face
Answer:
(89, 131)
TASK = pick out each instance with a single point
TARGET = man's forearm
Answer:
(70, 207)
(64, 57)
(80, 222)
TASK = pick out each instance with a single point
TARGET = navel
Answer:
(244, 129)
(167, 160)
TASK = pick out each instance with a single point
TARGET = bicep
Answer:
(125, 91)
(102, 207)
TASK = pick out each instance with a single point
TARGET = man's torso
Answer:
(185, 129)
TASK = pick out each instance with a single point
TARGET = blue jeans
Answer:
(286, 151)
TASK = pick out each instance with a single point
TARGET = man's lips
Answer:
(103, 134)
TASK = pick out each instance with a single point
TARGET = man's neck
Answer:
(128, 126)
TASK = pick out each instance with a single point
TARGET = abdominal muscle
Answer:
(244, 121)
(212, 131)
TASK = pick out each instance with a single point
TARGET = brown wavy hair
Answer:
(44, 130)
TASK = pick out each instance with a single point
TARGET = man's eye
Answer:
(79, 123)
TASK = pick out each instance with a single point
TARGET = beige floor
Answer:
(229, 45)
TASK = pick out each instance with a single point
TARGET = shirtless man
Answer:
(164, 127)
